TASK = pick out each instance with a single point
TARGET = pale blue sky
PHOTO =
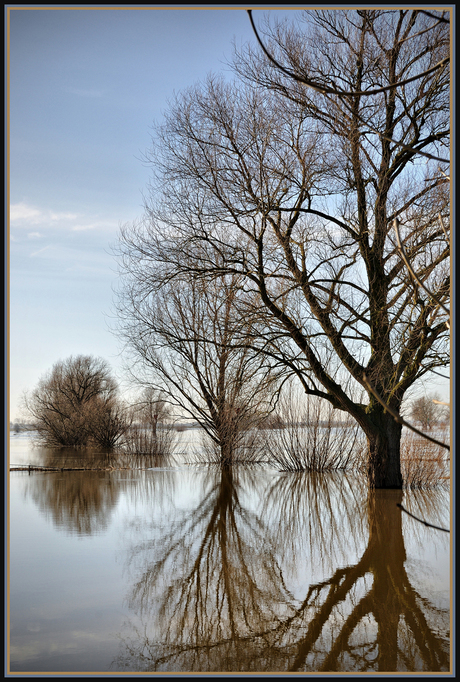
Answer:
(85, 87)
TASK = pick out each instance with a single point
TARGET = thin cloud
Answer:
(63, 216)
(36, 253)
(95, 225)
(24, 215)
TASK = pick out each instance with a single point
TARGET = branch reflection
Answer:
(211, 591)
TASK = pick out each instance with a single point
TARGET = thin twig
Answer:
(442, 226)
(433, 16)
(409, 267)
(333, 91)
(406, 147)
(444, 376)
(398, 417)
(425, 523)
(344, 93)
(445, 175)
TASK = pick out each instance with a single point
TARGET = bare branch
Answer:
(434, 16)
(334, 91)
(343, 93)
(411, 270)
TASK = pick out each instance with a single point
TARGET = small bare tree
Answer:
(153, 409)
(151, 432)
(75, 403)
(427, 411)
(189, 342)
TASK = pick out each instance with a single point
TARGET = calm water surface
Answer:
(169, 567)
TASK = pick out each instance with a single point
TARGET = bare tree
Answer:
(153, 409)
(298, 72)
(296, 191)
(187, 340)
(151, 432)
(427, 411)
(77, 402)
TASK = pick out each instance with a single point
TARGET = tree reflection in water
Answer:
(82, 502)
(318, 515)
(215, 585)
(211, 595)
(367, 616)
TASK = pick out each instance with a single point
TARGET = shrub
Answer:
(76, 404)
(312, 438)
(143, 440)
(423, 463)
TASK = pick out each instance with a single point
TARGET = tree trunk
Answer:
(227, 448)
(384, 460)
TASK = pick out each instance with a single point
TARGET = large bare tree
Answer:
(296, 191)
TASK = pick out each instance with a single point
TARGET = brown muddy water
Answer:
(177, 568)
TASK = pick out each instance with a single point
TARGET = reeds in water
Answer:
(423, 463)
(312, 439)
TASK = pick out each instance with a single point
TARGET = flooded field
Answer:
(142, 566)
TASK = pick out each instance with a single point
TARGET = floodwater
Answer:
(178, 568)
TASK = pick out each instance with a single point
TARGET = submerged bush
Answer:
(245, 447)
(311, 438)
(152, 433)
(143, 440)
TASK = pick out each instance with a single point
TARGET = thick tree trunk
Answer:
(384, 459)
(228, 447)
